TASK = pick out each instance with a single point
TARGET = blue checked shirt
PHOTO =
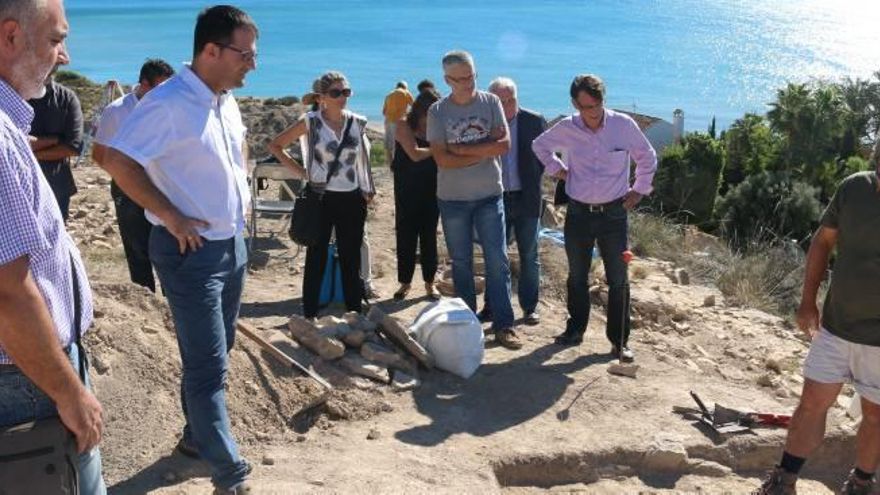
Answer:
(31, 225)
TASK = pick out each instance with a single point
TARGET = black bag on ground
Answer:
(307, 217)
(38, 457)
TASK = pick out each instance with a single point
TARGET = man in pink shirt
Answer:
(595, 147)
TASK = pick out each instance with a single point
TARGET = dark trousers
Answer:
(135, 232)
(608, 229)
(416, 218)
(60, 179)
(346, 212)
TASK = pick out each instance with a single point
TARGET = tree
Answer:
(688, 178)
(750, 148)
(768, 206)
(862, 99)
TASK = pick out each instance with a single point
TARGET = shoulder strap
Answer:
(334, 165)
(77, 319)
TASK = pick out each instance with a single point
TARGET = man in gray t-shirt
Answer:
(468, 135)
(845, 343)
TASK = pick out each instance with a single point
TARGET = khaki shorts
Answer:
(834, 360)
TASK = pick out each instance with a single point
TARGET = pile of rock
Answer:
(376, 347)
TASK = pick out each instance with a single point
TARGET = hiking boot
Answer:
(242, 488)
(187, 448)
(778, 482)
(532, 318)
(485, 315)
(507, 338)
(567, 338)
(625, 356)
(402, 292)
(856, 486)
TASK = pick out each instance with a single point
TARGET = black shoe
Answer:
(625, 356)
(856, 486)
(485, 315)
(778, 482)
(187, 448)
(532, 318)
(567, 338)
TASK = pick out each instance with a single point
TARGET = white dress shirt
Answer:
(189, 140)
(114, 116)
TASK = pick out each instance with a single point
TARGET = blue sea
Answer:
(711, 58)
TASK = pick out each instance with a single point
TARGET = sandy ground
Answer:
(543, 418)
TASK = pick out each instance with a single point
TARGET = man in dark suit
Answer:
(521, 176)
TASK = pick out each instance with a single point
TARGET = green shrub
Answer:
(768, 206)
(71, 78)
(688, 178)
(750, 148)
(377, 153)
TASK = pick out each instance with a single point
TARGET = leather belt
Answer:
(598, 207)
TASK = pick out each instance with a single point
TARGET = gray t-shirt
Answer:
(852, 305)
(467, 124)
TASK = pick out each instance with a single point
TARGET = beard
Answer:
(30, 76)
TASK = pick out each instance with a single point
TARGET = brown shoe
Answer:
(431, 291)
(507, 338)
(778, 482)
(243, 488)
(402, 292)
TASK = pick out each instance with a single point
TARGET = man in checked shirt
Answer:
(596, 146)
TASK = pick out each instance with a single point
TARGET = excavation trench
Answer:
(661, 467)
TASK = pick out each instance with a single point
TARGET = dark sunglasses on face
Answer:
(336, 93)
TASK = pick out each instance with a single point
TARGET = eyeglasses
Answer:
(336, 93)
(246, 55)
(463, 79)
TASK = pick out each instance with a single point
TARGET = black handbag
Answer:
(308, 209)
(307, 217)
(41, 456)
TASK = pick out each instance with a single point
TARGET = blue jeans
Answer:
(486, 216)
(525, 230)
(608, 229)
(21, 401)
(204, 289)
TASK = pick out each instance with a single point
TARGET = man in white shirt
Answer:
(133, 225)
(181, 156)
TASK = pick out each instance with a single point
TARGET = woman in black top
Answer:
(415, 198)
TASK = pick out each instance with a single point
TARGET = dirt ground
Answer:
(544, 418)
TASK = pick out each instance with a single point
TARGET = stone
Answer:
(268, 460)
(666, 454)
(701, 351)
(382, 355)
(773, 365)
(682, 277)
(355, 338)
(374, 434)
(398, 334)
(768, 380)
(731, 374)
(262, 436)
(356, 364)
(98, 244)
(151, 329)
(101, 366)
(109, 230)
(401, 382)
(251, 387)
(709, 301)
(702, 467)
(307, 334)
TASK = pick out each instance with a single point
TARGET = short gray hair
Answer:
(456, 57)
(22, 11)
(502, 83)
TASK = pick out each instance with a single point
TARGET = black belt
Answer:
(598, 207)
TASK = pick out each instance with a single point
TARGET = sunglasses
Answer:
(336, 93)
(246, 55)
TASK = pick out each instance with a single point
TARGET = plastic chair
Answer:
(263, 206)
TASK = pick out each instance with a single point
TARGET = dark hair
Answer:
(590, 84)
(420, 107)
(154, 69)
(425, 84)
(216, 25)
(401, 85)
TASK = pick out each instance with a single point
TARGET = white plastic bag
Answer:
(451, 333)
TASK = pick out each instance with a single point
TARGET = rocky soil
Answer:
(543, 418)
